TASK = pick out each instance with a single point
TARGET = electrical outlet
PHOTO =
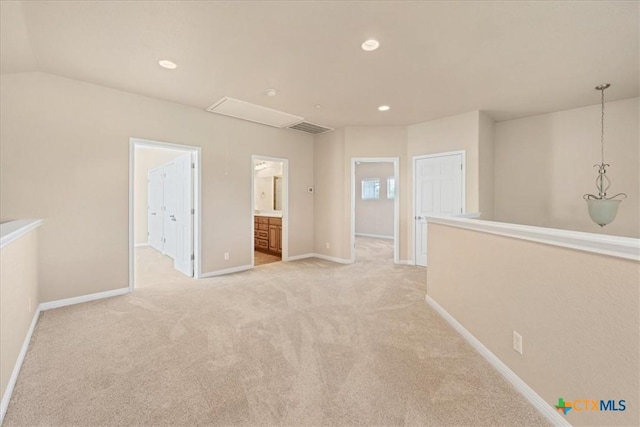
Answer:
(517, 342)
(226, 256)
(328, 245)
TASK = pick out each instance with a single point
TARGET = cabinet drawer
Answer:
(275, 221)
(263, 226)
(263, 244)
(262, 219)
(262, 234)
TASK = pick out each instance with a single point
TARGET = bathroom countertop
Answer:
(269, 214)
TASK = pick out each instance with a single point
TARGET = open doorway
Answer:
(164, 207)
(269, 207)
(375, 206)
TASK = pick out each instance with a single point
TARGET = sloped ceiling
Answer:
(436, 59)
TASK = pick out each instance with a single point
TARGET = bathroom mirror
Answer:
(268, 182)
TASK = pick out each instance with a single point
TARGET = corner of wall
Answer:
(486, 136)
(328, 169)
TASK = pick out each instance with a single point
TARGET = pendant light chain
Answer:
(602, 128)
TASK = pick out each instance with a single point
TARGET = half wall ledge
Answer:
(13, 230)
(615, 246)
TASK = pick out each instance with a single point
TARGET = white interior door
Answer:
(438, 191)
(154, 208)
(170, 204)
(183, 259)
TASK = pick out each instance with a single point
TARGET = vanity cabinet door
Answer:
(274, 238)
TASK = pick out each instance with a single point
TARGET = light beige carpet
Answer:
(292, 343)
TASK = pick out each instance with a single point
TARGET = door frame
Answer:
(197, 205)
(396, 203)
(285, 204)
(414, 160)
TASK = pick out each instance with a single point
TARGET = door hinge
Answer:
(460, 210)
(193, 211)
(193, 165)
(193, 257)
(460, 166)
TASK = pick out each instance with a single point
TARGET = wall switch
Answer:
(328, 245)
(226, 256)
(517, 342)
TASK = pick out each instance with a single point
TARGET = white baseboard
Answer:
(83, 298)
(534, 398)
(297, 257)
(16, 368)
(375, 236)
(140, 245)
(333, 259)
(226, 271)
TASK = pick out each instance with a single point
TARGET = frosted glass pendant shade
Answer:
(603, 211)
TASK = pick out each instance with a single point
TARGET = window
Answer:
(370, 189)
(391, 188)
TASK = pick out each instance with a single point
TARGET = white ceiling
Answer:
(436, 59)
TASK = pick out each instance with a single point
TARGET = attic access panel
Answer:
(253, 113)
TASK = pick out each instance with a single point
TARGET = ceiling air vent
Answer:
(254, 113)
(310, 128)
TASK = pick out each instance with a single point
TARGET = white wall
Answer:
(332, 162)
(544, 164)
(67, 160)
(146, 159)
(19, 299)
(451, 134)
(577, 313)
(329, 223)
(375, 216)
(486, 167)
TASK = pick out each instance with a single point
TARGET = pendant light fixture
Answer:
(603, 209)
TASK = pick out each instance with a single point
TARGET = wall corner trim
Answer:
(226, 271)
(615, 246)
(534, 398)
(334, 259)
(83, 298)
(297, 257)
(4, 405)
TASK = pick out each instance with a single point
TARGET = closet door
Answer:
(438, 191)
(154, 208)
(170, 206)
(183, 260)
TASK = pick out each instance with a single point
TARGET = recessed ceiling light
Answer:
(169, 65)
(383, 108)
(272, 92)
(317, 105)
(370, 45)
